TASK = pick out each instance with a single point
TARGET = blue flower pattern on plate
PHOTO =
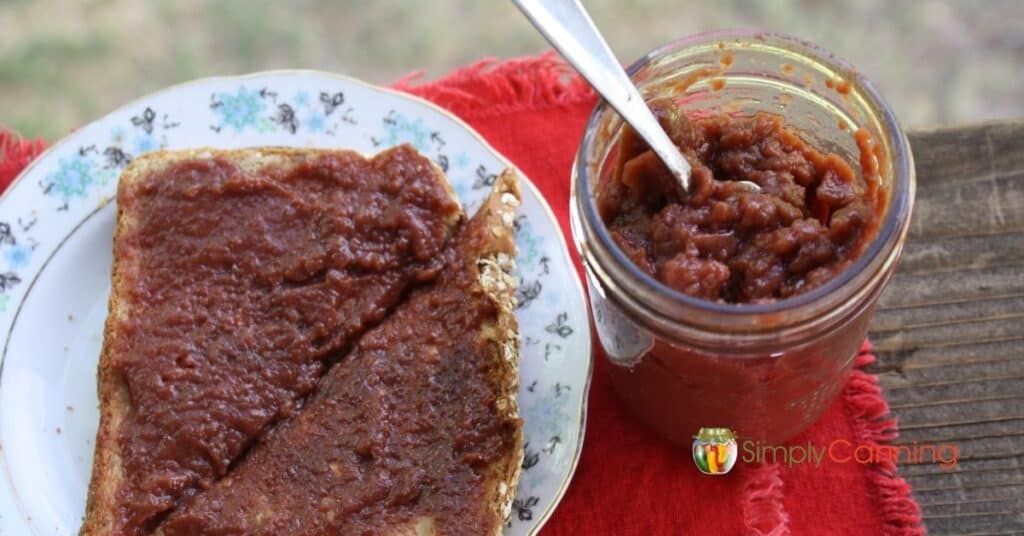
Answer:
(265, 111)
(315, 122)
(530, 243)
(461, 161)
(18, 256)
(145, 143)
(547, 409)
(240, 110)
(72, 178)
(398, 129)
(117, 135)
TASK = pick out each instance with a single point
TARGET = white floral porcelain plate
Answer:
(56, 224)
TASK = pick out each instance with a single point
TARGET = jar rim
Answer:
(897, 211)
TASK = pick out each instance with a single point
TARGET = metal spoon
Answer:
(568, 27)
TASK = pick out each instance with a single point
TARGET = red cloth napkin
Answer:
(628, 481)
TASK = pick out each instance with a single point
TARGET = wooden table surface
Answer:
(949, 330)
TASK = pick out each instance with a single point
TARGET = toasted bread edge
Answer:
(497, 281)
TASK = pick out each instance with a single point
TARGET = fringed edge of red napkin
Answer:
(493, 86)
(874, 423)
(764, 512)
(15, 154)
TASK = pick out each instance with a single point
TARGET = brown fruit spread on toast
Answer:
(415, 432)
(235, 286)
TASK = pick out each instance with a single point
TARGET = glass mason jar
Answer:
(766, 371)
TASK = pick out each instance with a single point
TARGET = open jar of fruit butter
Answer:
(723, 306)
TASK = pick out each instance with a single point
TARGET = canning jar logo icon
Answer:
(715, 450)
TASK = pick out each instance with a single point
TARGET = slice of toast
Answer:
(238, 277)
(414, 433)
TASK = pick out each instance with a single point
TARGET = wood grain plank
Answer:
(958, 480)
(964, 312)
(930, 375)
(987, 407)
(994, 522)
(962, 252)
(939, 288)
(949, 330)
(1006, 463)
(962, 153)
(980, 506)
(974, 208)
(951, 356)
(997, 326)
(946, 496)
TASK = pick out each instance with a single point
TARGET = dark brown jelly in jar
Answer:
(722, 306)
(722, 242)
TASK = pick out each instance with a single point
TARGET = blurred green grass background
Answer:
(66, 62)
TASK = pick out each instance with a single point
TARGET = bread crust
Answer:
(114, 397)
(497, 281)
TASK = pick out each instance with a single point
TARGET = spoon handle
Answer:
(568, 27)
